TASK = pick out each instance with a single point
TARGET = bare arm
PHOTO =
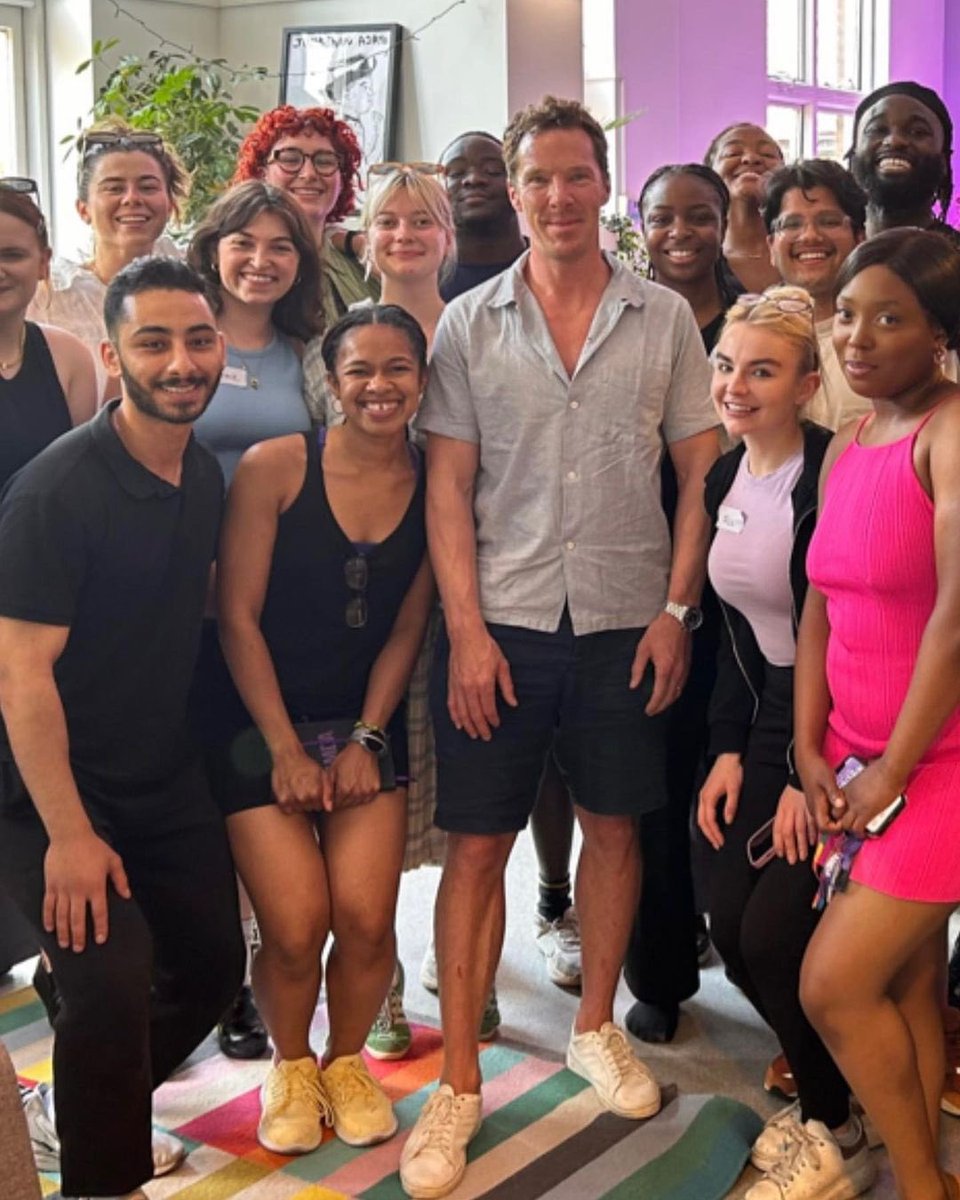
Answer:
(477, 665)
(75, 370)
(355, 772)
(666, 644)
(78, 863)
(262, 486)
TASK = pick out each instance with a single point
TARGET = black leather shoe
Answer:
(653, 1022)
(241, 1033)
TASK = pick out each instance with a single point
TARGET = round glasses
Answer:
(290, 160)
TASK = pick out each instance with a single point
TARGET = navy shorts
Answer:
(573, 696)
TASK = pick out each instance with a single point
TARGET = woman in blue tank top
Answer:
(257, 252)
(324, 593)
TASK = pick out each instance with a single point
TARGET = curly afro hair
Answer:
(287, 120)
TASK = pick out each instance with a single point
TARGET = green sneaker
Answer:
(490, 1021)
(390, 1037)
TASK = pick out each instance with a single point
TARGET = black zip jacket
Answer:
(740, 663)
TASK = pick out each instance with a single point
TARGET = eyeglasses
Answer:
(290, 160)
(416, 168)
(823, 222)
(784, 304)
(21, 184)
(356, 576)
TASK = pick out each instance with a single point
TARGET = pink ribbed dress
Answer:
(872, 557)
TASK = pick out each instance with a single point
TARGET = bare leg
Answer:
(918, 994)
(469, 936)
(280, 864)
(363, 852)
(868, 948)
(607, 892)
(551, 824)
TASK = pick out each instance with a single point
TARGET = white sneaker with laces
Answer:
(429, 976)
(776, 1137)
(434, 1158)
(559, 943)
(40, 1112)
(606, 1059)
(817, 1168)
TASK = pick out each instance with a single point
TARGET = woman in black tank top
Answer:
(46, 375)
(325, 589)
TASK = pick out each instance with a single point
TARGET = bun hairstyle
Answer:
(926, 261)
(786, 311)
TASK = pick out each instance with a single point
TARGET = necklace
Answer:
(8, 366)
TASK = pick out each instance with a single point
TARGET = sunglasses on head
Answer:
(784, 304)
(378, 170)
(98, 141)
(21, 184)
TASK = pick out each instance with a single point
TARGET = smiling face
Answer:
(886, 343)
(315, 193)
(23, 263)
(758, 383)
(476, 179)
(744, 158)
(168, 354)
(898, 159)
(812, 237)
(378, 379)
(683, 229)
(405, 241)
(128, 203)
(560, 189)
(258, 264)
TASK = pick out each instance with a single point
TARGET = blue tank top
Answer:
(260, 396)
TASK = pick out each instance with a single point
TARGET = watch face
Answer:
(692, 619)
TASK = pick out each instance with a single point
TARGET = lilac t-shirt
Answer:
(749, 562)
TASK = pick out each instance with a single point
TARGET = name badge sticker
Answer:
(235, 376)
(732, 520)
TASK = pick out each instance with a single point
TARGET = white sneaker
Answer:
(817, 1168)
(434, 1157)
(559, 943)
(776, 1137)
(429, 976)
(606, 1059)
(40, 1112)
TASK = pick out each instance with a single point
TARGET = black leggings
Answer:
(135, 1007)
(761, 920)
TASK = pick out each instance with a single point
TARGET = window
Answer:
(11, 92)
(822, 56)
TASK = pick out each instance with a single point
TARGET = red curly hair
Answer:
(286, 120)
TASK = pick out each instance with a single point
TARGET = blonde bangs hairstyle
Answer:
(426, 192)
(795, 327)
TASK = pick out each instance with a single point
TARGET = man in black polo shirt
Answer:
(109, 842)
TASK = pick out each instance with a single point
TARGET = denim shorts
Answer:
(573, 696)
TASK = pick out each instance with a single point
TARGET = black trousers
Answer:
(761, 920)
(133, 1008)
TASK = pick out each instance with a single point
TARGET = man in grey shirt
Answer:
(553, 388)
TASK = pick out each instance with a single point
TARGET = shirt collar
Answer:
(132, 475)
(624, 285)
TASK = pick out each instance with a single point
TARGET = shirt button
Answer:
(572, 476)
(570, 545)
(574, 403)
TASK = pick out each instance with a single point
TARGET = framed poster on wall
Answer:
(353, 69)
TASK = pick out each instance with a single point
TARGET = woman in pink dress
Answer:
(878, 678)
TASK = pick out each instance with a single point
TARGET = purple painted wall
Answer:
(694, 66)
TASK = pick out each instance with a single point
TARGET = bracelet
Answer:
(370, 737)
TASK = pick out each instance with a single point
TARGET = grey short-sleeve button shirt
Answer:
(567, 496)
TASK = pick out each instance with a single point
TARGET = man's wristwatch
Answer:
(688, 615)
(370, 737)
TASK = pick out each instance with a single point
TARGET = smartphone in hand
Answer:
(848, 770)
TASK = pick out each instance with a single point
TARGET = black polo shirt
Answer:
(90, 539)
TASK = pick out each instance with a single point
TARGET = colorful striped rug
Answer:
(544, 1136)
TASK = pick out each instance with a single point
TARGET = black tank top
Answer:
(322, 664)
(33, 408)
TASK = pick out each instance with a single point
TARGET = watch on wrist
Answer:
(370, 737)
(689, 616)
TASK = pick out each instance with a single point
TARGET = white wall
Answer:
(452, 77)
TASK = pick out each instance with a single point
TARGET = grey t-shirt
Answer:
(567, 495)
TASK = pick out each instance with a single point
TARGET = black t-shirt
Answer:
(470, 275)
(91, 539)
